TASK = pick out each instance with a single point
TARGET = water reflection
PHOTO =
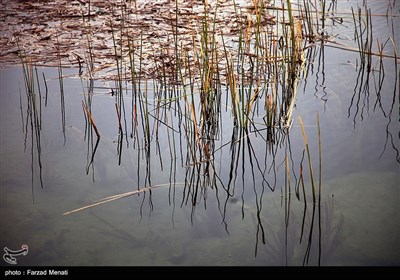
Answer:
(32, 121)
(247, 176)
(371, 75)
(242, 156)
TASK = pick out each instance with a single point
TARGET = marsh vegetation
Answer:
(200, 103)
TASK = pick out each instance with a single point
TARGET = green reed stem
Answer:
(309, 158)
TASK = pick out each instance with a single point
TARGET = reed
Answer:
(118, 196)
(256, 68)
(316, 207)
(252, 71)
(61, 84)
(319, 190)
(33, 117)
(257, 62)
(309, 159)
(90, 118)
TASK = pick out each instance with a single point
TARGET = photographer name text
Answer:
(32, 272)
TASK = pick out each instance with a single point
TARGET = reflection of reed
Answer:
(90, 126)
(33, 118)
(367, 72)
(185, 97)
(242, 155)
(91, 150)
(61, 83)
(283, 240)
(283, 249)
(315, 203)
(197, 110)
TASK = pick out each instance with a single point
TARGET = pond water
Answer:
(240, 210)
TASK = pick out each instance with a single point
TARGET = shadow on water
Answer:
(214, 126)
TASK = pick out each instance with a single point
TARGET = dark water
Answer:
(355, 224)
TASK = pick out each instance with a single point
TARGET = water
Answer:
(355, 224)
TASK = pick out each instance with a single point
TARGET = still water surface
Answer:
(356, 222)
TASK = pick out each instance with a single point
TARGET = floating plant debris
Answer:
(152, 28)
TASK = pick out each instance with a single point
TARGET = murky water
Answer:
(197, 223)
